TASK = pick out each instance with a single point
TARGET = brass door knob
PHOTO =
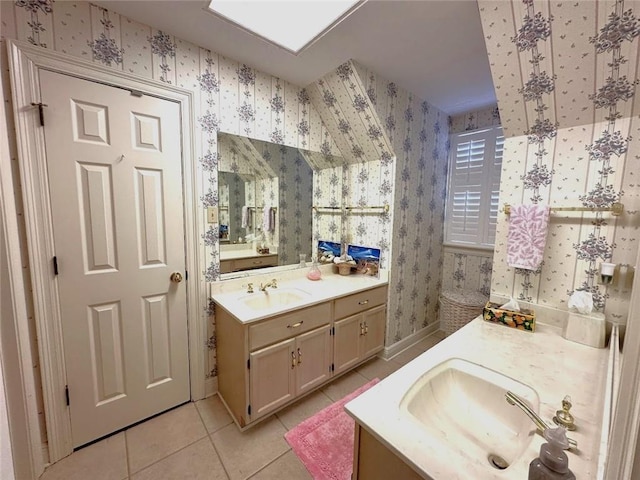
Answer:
(176, 277)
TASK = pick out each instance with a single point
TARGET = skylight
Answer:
(291, 24)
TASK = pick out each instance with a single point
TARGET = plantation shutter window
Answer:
(474, 187)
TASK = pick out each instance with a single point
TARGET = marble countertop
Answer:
(229, 294)
(544, 360)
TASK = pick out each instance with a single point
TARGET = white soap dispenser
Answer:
(552, 464)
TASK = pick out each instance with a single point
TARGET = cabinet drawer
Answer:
(255, 262)
(288, 325)
(226, 266)
(359, 302)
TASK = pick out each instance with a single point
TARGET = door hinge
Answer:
(248, 364)
(66, 394)
(249, 409)
(333, 331)
(186, 275)
(40, 106)
(55, 265)
(333, 367)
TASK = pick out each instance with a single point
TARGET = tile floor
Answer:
(200, 441)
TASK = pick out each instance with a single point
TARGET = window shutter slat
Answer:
(474, 186)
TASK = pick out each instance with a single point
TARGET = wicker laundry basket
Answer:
(457, 308)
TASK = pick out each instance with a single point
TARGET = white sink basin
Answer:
(271, 298)
(463, 404)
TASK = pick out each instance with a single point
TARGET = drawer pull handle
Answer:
(363, 302)
(293, 360)
(296, 325)
(299, 357)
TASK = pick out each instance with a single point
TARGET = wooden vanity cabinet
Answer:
(248, 263)
(279, 373)
(374, 461)
(265, 365)
(361, 334)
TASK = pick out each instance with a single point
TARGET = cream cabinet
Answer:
(248, 263)
(374, 461)
(361, 334)
(278, 373)
(265, 365)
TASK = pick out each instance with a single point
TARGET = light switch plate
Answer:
(212, 215)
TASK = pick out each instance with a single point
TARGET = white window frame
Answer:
(485, 175)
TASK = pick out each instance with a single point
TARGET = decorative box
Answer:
(522, 320)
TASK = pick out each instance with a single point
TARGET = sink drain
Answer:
(497, 461)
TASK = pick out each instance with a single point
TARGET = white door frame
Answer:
(25, 61)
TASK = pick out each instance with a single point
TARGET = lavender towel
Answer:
(528, 225)
(268, 219)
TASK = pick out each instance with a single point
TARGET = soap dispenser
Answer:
(552, 464)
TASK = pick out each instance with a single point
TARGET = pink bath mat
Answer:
(324, 442)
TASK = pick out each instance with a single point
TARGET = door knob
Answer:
(176, 277)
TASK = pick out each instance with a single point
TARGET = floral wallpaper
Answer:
(485, 117)
(566, 76)
(406, 143)
(230, 96)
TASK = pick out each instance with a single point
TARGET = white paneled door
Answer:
(115, 179)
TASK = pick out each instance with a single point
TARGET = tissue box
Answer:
(522, 320)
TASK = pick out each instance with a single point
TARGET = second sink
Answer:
(464, 404)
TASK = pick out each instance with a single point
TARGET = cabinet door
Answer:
(313, 359)
(272, 380)
(374, 325)
(347, 342)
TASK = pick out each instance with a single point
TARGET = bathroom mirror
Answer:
(235, 190)
(265, 196)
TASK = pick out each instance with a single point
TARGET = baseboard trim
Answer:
(210, 386)
(396, 348)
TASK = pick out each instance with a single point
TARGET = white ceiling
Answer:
(433, 48)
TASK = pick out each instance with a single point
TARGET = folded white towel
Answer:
(528, 225)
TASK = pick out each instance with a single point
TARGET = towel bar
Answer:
(616, 209)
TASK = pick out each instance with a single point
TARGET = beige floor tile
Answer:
(303, 409)
(407, 355)
(287, 467)
(161, 436)
(214, 414)
(377, 368)
(198, 461)
(104, 460)
(244, 453)
(427, 342)
(344, 385)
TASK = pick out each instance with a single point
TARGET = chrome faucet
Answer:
(513, 399)
(273, 284)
